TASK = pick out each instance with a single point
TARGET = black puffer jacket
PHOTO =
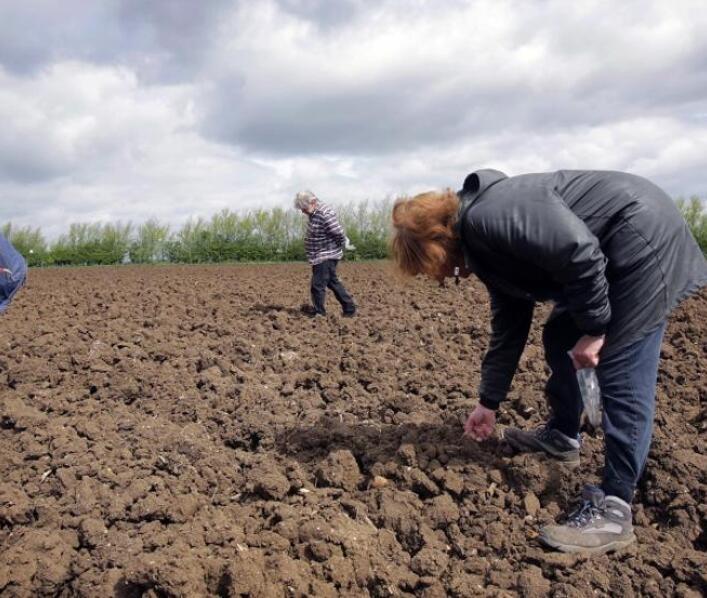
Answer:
(609, 247)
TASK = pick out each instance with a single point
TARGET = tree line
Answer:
(228, 236)
(257, 235)
(695, 213)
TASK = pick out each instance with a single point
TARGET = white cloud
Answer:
(75, 117)
(126, 110)
(83, 142)
(394, 77)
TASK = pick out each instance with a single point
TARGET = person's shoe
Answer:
(349, 314)
(601, 524)
(546, 440)
(309, 311)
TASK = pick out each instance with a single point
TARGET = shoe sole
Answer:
(572, 548)
(521, 446)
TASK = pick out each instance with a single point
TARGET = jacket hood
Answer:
(477, 182)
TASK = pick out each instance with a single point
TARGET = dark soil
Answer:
(185, 431)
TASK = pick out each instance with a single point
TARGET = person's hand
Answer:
(480, 423)
(585, 354)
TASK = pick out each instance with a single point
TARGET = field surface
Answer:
(185, 431)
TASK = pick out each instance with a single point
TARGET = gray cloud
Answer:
(124, 109)
(172, 38)
(535, 73)
(35, 33)
(331, 121)
(323, 13)
(160, 41)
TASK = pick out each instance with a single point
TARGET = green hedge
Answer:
(695, 215)
(260, 235)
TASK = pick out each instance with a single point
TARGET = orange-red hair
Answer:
(424, 238)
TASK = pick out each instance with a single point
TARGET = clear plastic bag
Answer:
(591, 395)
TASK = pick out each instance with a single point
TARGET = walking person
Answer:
(615, 256)
(324, 243)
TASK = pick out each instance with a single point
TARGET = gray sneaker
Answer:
(601, 524)
(546, 440)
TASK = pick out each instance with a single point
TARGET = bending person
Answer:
(13, 272)
(614, 254)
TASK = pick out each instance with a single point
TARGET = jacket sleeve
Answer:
(333, 228)
(544, 231)
(510, 322)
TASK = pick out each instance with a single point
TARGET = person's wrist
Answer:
(486, 403)
(598, 332)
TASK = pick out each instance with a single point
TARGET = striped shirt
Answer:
(325, 237)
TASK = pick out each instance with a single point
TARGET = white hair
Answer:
(303, 199)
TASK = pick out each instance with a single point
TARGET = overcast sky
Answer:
(169, 109)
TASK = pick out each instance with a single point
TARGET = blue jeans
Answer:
(627, 380)
(324, 277)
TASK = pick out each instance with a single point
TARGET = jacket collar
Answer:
(474, 187)
(477, 182)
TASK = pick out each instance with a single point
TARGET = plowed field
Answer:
(185, 431)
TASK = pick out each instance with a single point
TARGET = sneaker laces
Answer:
(543, 432)
(584, 514)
